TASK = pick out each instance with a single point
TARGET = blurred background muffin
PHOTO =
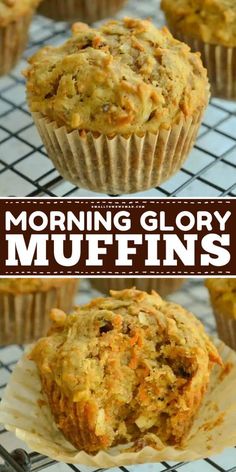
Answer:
(164, 286)
(25, 305)
(87, 11)
(223, 298)
(118, 107)
(15, 18)
(208, 27)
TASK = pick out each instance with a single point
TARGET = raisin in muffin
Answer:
(208, 27)
(118, 107)
(223, 298)
(25, 305)
(130, 368)
(15, 18)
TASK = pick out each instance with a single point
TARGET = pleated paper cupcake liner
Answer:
(226, 328)
(118, 165)
(87, 11)
(13, 41)
(220, 62)
(25, 412)
(25, 317)
(163, 286)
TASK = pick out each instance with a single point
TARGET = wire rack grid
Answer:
(26, 171)
(192, 295)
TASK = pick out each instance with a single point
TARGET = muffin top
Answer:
(22, 285)
(125, 77)
(10, 10)
(223, 295)
(131, 358)
(212, 21)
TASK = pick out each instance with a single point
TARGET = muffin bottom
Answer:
(87, 11)
(13, 41)
(25, 317)
(119, 165)
(220, 62)
(163, 286)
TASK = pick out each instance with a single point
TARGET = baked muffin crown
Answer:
(212, 21)
(11, 10)
(124, 77)
(129, 367)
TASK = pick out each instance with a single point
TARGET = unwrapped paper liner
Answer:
(24, 412)
(220, 62)
(120, 164)
(164, 286)
(88, 11)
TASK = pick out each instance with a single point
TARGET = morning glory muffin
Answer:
(88, 11)
(25, 304)
(164, 286)
(118, 107)
(208, 26)
(15, 18)
(223, 299)
(130, 368)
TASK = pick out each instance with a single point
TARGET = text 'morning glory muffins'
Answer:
(88, 11)
(208, 26)
(164, 286)
(223, 299)
(130, 368)
(25, 304)
(118, 108)
(15, 18)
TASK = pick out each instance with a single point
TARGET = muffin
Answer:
(118, 107)
(25, 305)
(15, 18)
(130, 368)
(83, 10)
(163, 286)
(208, 27)
(223, 298)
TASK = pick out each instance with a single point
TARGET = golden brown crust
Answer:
(30, 285)
(129, 368)
(223, 296)
(124, 77)
(212, 21)
(11, 10)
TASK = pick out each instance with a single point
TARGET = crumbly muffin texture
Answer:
(223, 296)
(212, 21)
(10, 10)
(130, 368)
(22, 285)
(124, 77)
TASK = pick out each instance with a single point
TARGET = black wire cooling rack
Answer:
(26, 171)
(193, 296)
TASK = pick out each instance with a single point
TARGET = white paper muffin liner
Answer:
(118, 165)
(87, 11)
(220, 62)
(25, 317)
(13, 41)
(163, 286)
(24, 411)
